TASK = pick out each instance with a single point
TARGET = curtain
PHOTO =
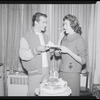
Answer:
(97, 32)
(15, 20)
(91, 47)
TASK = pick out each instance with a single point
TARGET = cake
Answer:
(54, 87)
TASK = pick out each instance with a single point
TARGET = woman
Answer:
(73, 53)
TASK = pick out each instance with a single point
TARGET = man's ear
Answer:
(36, 22)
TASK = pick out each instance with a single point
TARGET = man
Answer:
(34, 54)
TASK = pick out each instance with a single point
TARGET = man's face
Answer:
(42, 24)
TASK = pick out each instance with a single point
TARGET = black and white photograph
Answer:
(50, 49)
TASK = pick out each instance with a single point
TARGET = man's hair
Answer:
(36, 17)
(74, 23)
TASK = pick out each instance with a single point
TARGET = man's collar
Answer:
(34, 31)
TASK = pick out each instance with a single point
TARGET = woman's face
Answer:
(67, 27)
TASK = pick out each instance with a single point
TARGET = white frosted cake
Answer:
(54, 87)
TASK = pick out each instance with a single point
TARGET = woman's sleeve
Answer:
(82, 50)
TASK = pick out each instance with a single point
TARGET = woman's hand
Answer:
(61, 35)
(57, 52)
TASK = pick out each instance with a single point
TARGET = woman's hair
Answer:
(74, 23)
(36, 17)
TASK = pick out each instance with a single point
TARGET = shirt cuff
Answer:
(35, 52)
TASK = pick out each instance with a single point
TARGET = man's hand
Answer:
(41, 48)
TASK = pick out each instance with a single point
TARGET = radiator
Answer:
(17, 85)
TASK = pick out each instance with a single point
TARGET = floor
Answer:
(86, 94)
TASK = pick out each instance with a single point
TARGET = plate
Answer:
(37, 92)
(53, 47)
(68, 92)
